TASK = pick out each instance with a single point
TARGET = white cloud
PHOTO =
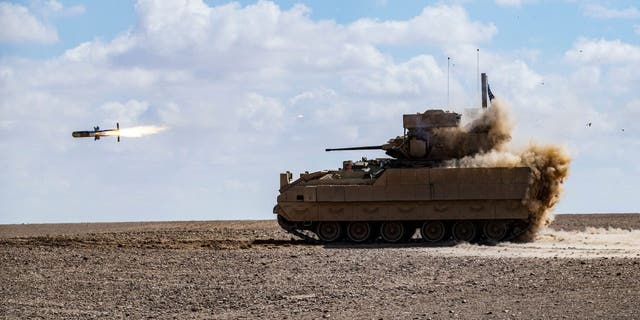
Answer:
(440, 24)
(587, 76)
(602, 51)
(183, 23)
(230, 37)
(310, 96)
(239, 186)
(54, 5)
(414, 77)
(18, 24)
(97, 50)
(53, 8)
(514, 3)
(171, 114)
(617, 60)
(599, 11)
(231, 82)
(126, 113)
(633, 109)
(260, 112)
(517, 75)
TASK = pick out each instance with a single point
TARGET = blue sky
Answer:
(250, 89)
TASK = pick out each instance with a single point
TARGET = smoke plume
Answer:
(549, 164)
(490, 131)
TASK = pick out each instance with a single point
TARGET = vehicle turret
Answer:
(436, 135)
(427, 138)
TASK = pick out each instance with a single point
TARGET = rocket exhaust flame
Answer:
(137, 132)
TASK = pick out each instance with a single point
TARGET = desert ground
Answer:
(582, 266)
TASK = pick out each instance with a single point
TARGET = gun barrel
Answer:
(356, 148)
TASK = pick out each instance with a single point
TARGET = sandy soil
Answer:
(584, 266)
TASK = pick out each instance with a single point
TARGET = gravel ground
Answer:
(251, 269)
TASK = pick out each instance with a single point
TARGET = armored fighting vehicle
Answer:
(388, 199)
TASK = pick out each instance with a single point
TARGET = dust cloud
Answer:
(490, 131)
(593, 237)
(591, 243)
(488, 136)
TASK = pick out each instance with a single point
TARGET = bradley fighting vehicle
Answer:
(390, 198)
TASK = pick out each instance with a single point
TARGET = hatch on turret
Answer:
(430, 119)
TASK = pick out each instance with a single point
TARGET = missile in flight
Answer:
(97, 133)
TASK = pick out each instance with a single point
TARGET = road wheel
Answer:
(433, 231)
(495, 230)
(286, 224)
(328, 231)
(464, 231)
(359, 231)
(392, 231)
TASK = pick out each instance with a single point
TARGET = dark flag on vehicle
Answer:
(491, 96)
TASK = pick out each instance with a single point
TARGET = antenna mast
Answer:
(453, 74)
(448, 63)
(478, 72)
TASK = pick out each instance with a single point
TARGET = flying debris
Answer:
(97, 133)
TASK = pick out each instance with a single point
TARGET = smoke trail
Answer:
(549, 164)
